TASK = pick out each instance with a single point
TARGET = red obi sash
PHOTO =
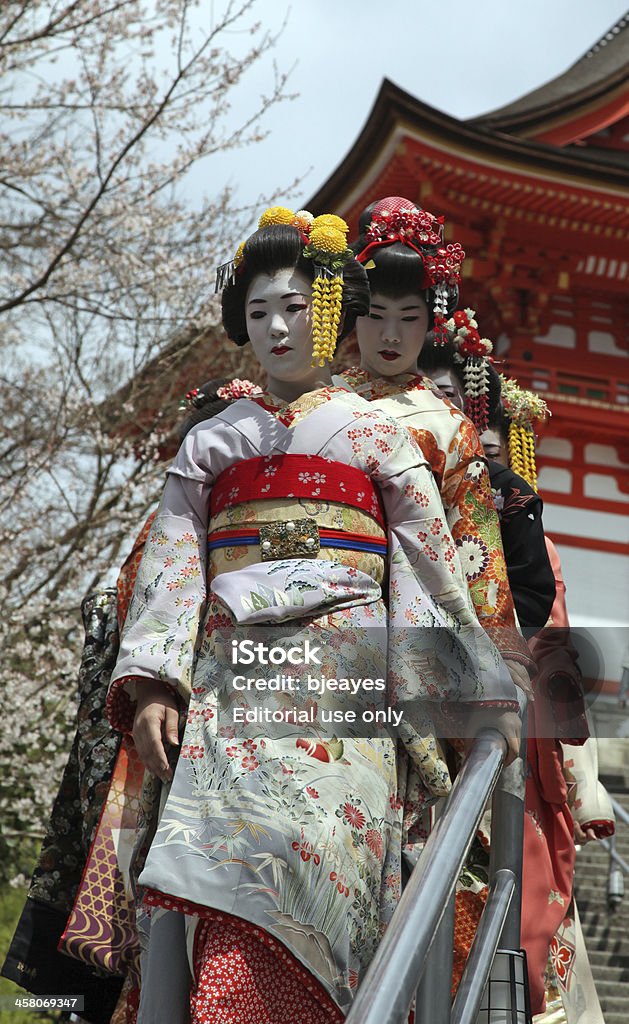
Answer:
(311, 477)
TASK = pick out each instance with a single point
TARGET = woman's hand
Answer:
(582, 836)
(520, 677)
(510, 725)
(506, 722)
(155, 724)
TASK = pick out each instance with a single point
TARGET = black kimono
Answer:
(530, 573)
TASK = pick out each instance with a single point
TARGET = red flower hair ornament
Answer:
(474, 353)
(396, 219)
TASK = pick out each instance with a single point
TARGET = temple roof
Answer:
(596, 85)
(397, 115)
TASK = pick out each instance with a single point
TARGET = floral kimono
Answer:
(32, 960)
(570, 992)
(558, 968)
(299, 836)
(449, 441)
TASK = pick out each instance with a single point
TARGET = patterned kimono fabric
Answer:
(49, 952)
(548, 845)
(278, 861)
(549, 852)
(571, 997)
(32, 960)
(450, 443)
(452, 446)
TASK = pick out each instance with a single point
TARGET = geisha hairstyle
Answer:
(279, 247)
(402, 249)
(434, 357)
(397, 270)
(469, 356)
(202, 404)
(510, 409)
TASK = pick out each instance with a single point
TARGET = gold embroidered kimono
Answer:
(302, 837)
(449, 441)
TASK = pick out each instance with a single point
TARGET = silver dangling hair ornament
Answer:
(225, 274)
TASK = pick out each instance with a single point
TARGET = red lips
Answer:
(389, 355)
(280, 350)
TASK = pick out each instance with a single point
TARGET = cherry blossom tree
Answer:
(105, 291)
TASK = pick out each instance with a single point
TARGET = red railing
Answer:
(562, 382)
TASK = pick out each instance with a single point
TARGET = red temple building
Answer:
(537, 192)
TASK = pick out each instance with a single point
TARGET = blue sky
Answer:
(464, 57)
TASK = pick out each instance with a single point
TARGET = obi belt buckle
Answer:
(295, 538)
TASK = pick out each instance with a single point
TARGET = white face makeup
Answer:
(448, 382)
(391, 337)
(279, 324)
(494, 446)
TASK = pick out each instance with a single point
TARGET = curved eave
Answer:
(597, 80)
(395, 109)
(574, 122)
(607, 97)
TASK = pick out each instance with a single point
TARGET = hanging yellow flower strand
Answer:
(522, 408)
(325, 240)
(327, 248)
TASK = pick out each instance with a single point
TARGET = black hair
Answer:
(398, 268)
(366, 217)
(206, 405)
(440, 357)
(397, 271)
(277, 247)
(435, 357)
(497, 418)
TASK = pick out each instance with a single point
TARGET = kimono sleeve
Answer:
(559, 709)
(165, 611)
(587, 797)
(438, 650)
(473, 520)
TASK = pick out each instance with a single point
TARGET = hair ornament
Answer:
(522, 408)
(444, 272)
(396, 219)
(238, 388)
(225, 274)
(229, 392)
(238, 258)
(401, 221)
(474, 353)
(193, 399)
(328, 249)
(276, 215)
(325, 243)
(303, 220)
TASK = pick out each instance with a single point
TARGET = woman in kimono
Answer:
(275, 864)
(413, 278)
(518, 504)
(571, 995)
(565, 803)
(564, 799)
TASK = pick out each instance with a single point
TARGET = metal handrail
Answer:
(390, 983)
(618, 866)
(478, 966)
(622, 863)
(619, 810)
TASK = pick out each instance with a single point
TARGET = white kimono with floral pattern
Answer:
(305, 844)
